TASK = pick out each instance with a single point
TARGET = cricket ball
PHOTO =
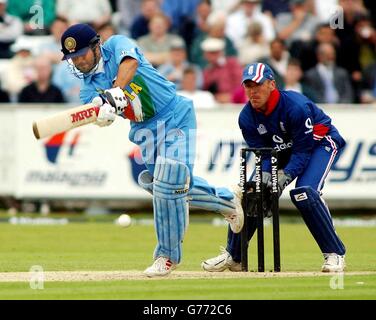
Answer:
(124, 220)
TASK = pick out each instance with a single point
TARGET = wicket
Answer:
(260, 217)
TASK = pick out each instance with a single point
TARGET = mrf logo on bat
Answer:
(83, 115)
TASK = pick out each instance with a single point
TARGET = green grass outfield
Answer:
(103, 246)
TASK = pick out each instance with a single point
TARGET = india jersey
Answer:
(148, 91)
(293, 128)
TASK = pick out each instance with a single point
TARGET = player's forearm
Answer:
(126, 72)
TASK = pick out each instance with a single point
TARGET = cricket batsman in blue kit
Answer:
(307, 144)
(117, 77)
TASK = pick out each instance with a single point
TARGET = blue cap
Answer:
(257, 72)
(77, 40)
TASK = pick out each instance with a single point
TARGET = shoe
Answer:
(162, 266)
(236, 219)
(333, 263)
(221, 263)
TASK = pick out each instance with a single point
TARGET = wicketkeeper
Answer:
(307, 144)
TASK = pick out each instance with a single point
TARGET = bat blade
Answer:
(65, 120)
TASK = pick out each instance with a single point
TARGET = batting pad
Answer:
(170, 205)
(201, 196)
(206, 197)
(317, 217)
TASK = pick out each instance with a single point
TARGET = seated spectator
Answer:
(368, 91)
(238, 22)
(4, 96)
(306, 52)
(223, 74)
(10, 29)
(36, 16)
(174, 68)
(217, 24)
(278, 59)
(297, 25)
(157, 43)
(366, 40)
(52, 49)
(41, 90)
(203, 10)
(94, 12)
(19, 71)
(67, 83)
(254, 46)
(140, 25)
(106, 31)
(201, 99)
(127, 10)
(293, 77)
(330, 82)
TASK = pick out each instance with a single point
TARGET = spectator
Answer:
(275, 7)
(217, 24)
(223, 74)
(52, 50)
(4, 96)
(368, 91)
(297, 25)
(156, 45)
(10, 29)
(201, 99)
(278, 59)
(94, 12)
(366, 39)
(238, 22)
(293, 77)
(203, 11)
(227, 6)
(127, 10)
(41, 90)
(174, 68)
(254, 46)
(182, 17)
(106, 31)
(37, 16)
(330, 82)
(19, 70)
(140, 25)
(306, 52)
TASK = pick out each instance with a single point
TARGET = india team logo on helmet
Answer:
(70, 44)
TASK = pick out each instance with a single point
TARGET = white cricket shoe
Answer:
(236, 219)
(221, 263)
(162, 266)
(333, 263)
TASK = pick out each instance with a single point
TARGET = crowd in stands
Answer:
(325, 49)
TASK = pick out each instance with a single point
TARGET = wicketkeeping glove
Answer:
(117, 99)
(283, 181)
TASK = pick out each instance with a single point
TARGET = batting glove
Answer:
(117, 99)
(106, 115)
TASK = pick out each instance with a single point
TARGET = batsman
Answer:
(307, 144)
(117, 77)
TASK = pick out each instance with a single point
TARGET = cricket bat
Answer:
(65, 120)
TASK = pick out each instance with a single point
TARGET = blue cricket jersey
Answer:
(148, 91)
(294, 127)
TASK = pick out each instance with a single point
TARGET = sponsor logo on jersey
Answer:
(261, 129)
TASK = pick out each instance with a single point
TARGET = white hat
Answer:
(213, 44)
(21, 44)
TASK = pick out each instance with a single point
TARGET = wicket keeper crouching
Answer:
(117, 77)
(307, 144)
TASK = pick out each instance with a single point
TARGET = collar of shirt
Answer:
(272, 102)
(325, 70)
